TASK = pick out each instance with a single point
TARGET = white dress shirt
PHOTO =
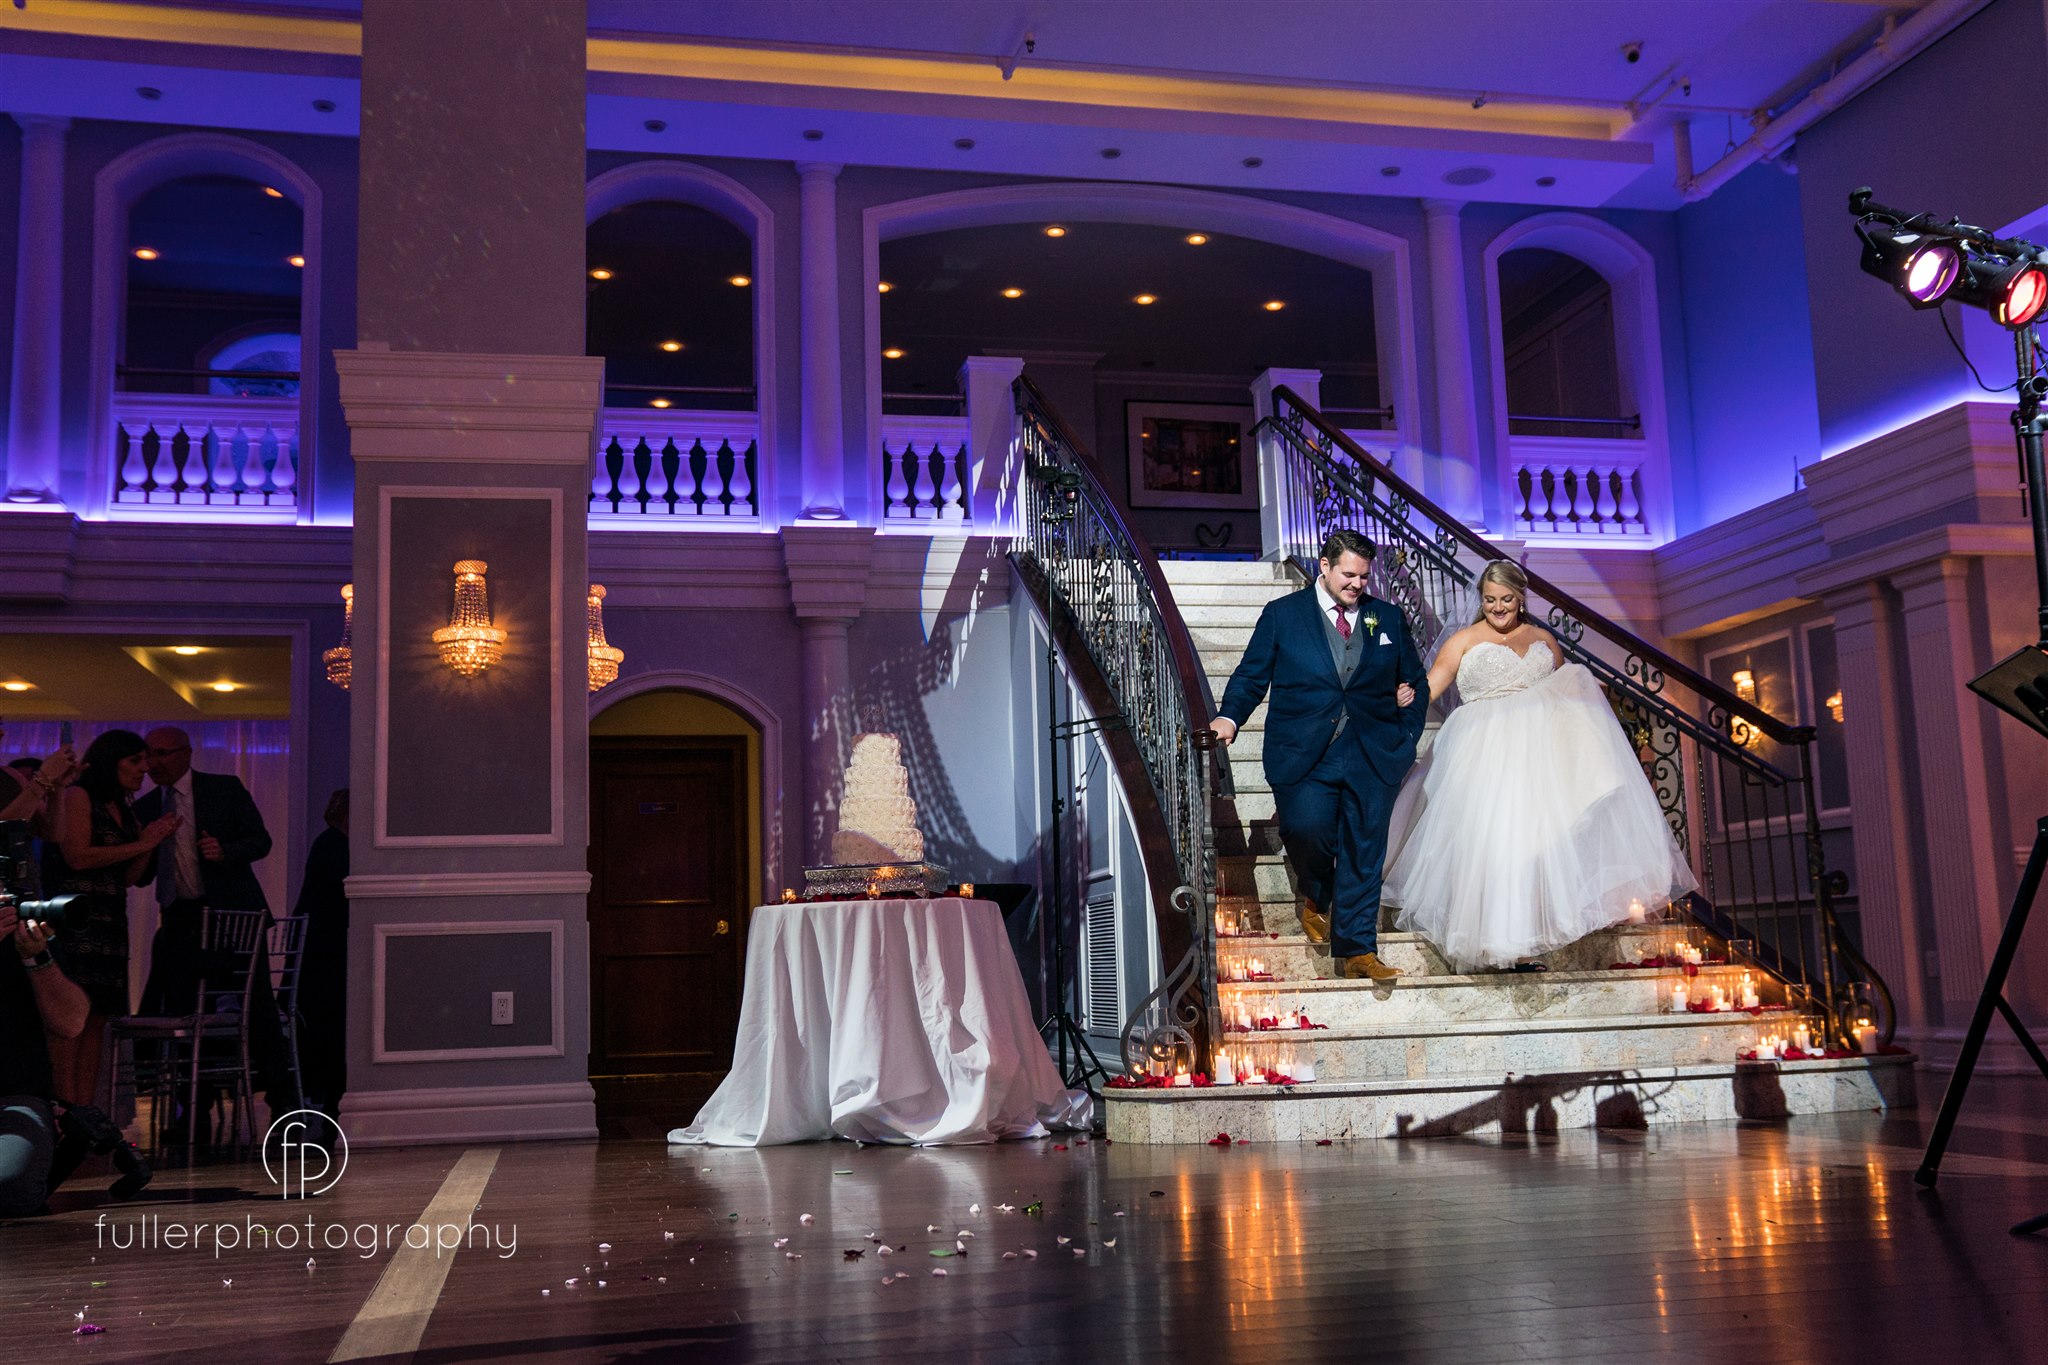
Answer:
(185, 882)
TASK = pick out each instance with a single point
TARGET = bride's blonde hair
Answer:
(1507, 574)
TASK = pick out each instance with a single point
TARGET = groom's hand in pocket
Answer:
(1403, 695)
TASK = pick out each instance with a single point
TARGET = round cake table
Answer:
(884, 1021)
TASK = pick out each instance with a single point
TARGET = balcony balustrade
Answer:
(205, 454)
(682, 469)
(925, 471)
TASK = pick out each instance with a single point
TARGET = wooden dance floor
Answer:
(1804, 1240)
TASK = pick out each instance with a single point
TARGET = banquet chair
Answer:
(168, 1055)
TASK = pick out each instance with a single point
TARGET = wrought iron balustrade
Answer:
(1736, 784)
(1115, 619)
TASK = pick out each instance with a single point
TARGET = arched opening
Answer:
(1557, 337)
(676, 834)
(681, 305)
(203, 244)
(1581, 437)
(1372, 372)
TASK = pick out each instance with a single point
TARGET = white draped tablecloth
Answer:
(884, 1021)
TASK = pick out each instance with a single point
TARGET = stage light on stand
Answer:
(1921, 268)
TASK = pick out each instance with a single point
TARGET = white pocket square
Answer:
(1383, 638)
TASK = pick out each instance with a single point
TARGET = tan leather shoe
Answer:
(1367, 965)
(1314, 923)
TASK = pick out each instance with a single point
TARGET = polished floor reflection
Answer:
(1798, 1241)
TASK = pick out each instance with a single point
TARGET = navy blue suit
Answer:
(1333, 784)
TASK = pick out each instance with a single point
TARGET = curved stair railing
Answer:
(1114, 619)
(1736, 783)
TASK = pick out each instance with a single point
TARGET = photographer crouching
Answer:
(42, 1139)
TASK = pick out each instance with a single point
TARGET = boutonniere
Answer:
(1371, 620)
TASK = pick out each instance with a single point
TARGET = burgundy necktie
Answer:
(1343, 622)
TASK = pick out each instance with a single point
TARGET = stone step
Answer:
(1264, 573)
(1291, 957)
(1496, 1047)
(1513, 1104)
(1247, 809)
(1490, 997)
(1193, 594)
(1213, 639)
(1239, 614)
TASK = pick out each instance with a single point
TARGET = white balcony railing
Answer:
(1581, 487)
(925, 470)
(676, 468)
(206, 453)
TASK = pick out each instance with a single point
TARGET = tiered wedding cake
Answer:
(877, 847)
(877, 817)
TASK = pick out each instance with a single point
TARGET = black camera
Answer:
(17, 867)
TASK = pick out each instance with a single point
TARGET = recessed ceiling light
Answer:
(965, 144)
(671, 345)
(1273, 305)
(17, 686)
(1146, 299)
(659, 403)
(186, 651)
(1545, 181)
(814, 134)
(600, 274)
(1252, 163)
(883, 287)
(146, 253)
(273, 191)
(656, 125)
(893, 353)
(299, 261)
(1390, 171)
(1111, 153)
(224, 687)
(1055, 230)
(1013, 292)
(739, 281)
(1197, 239)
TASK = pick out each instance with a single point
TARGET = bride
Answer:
(1530, 824)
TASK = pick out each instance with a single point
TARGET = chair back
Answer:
(227, 949)
(287, 957)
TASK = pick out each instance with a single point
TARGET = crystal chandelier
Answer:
(340, 660)
(604, 658)
(469, 643)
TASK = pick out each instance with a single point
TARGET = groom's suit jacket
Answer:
(1293, 654)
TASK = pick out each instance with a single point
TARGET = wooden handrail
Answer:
(1592, 620)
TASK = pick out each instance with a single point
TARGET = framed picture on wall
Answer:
(1191, 455)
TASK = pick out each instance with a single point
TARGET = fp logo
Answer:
(311, 1152)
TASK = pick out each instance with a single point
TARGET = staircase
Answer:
(1437, 1052)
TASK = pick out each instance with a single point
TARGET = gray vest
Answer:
(1344, 653)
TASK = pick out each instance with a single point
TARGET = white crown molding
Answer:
(439, 885)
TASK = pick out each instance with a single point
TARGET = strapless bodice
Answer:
(1495, 670)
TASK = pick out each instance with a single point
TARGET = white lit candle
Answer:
(1866, 1039)
(1225, 1073)
(1635, 912)
(1679, 997)
(1181, 1076)
(1802, 1039)
(1305, 1064)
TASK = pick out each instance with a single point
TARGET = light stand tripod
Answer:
(2019, 687)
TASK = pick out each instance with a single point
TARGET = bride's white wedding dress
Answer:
(1530, 824)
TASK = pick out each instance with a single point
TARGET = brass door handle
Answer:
(722, 929)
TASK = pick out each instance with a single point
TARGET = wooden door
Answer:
(667, 903)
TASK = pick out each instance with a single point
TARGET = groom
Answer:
(1349, 697)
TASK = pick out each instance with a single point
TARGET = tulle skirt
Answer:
(1529, 825)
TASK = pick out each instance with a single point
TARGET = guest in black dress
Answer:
(96, 852)
(323, 978)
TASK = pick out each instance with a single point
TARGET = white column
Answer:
(1274, 533)
(1455, 483)
(1874, 729)
(33, 396)
(828, 581)
(990, 381)
(824, 423)
(1962, 841)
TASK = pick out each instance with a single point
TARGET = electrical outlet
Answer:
(501, 1007)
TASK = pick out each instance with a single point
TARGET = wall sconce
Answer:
(469, 643)
(604, 658)
(1745, 684)
(1834, 705)
(340, 660)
